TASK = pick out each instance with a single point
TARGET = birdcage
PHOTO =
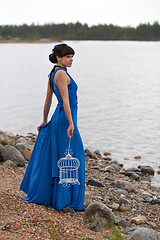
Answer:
(68, 169)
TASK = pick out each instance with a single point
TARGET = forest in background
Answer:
(78, 31)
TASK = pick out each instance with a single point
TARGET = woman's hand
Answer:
(70, 130)
(39, 127)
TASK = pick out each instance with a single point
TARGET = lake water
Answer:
(119, 95)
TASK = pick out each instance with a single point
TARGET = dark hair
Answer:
(60, 50)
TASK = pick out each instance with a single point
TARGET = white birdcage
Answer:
(68, 169)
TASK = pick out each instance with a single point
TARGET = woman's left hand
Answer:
(70, 130)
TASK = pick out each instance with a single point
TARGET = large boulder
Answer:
(11, 153)
(144, 234)
(98, 214)
(25, 149)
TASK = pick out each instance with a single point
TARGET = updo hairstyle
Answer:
(60, 50)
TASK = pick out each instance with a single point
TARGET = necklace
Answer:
(64, 68)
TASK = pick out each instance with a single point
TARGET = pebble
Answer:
(114, 206)
(121, 223)
(139, 220)
(146, 170)
(125, 186)
(120, 191)
(107, 153)
(94, 228)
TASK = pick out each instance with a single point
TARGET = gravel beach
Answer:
(127, 193)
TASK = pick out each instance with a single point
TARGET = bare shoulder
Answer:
(60, 74)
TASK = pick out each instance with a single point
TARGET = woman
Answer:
(41, 181)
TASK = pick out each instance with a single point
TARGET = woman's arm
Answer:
(47, 105)
(61, 81)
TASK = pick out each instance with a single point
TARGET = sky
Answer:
(92, 12)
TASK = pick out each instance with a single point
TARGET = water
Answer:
(119, 95)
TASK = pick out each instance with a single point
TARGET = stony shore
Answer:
(17, 40)
(119, 203)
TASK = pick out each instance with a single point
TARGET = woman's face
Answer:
(67, 60)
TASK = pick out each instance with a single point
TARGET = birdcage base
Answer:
(67, 182)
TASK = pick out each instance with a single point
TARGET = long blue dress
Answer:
(41, 179)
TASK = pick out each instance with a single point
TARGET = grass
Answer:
(114, 233)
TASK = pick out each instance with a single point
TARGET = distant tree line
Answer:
(78, 31)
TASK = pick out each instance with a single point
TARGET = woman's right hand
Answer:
(70, 130)
(39, 127)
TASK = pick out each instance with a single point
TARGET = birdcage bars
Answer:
(68, 170)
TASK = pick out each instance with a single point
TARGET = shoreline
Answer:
(32, 137)
(42, 40)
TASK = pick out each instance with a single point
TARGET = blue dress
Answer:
(41, 179)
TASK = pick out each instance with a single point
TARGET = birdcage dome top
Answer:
(68, 160)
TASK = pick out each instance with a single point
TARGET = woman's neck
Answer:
(60, 65)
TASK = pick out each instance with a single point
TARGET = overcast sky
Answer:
(92, 12)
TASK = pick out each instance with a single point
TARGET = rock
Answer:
(158, 172)
(95, 228)
(107, 153)
(88, 153)
(121, 223)
(99, 214)
(155, 200)
(124, 208)
(137, 157)
(4, 141)
(131, 229)
(1, 150)
(125, 186)
(145, 194)
(130, 171)
(120, 191)
(21, 140)
(68, 209)
(25, 149)
(144, 234)
(107, 159)
(94, 183)
(110, 169)
(152, 224)
(139, 220)
(124, 201)
(115, 166)
(95, 157)
(148, 200)
(111, 179)
(97, 152)
(95, 168)
(9, 163)
(11, 153)
(114, 206)
(106, 200)
(104, 169)
(135, 176)
(146, 170)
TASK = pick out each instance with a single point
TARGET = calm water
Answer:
(119, 95)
